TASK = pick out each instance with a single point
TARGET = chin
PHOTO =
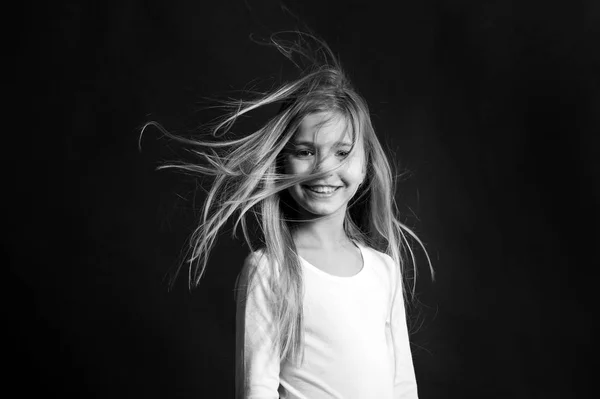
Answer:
(322, 210)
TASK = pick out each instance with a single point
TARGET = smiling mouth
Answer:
(322, 189)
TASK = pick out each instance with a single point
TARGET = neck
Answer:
(325, 233)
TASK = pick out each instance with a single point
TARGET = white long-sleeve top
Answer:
(356, 342)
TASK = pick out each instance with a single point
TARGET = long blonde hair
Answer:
(248, 182)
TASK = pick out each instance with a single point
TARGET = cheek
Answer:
(355, 169)
(288, 166)
(296, 167)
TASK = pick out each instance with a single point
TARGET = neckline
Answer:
(333, 276)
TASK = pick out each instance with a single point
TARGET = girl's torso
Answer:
(346, 307)
(345, 261)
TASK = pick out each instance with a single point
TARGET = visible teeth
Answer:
(322, 189)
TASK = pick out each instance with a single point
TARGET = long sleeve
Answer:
(405, 383)
(257, 372)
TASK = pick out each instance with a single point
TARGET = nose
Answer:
(325, 163)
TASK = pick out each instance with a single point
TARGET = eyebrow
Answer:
(310, 143)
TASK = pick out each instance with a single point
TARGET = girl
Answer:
(320, 306)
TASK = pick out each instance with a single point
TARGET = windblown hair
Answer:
(249, 185)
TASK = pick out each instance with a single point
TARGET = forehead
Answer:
(324, 128)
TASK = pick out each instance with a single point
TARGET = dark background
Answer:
(492, 106)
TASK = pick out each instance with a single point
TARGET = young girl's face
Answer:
(323, 142)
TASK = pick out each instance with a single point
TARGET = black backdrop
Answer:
(492, 106)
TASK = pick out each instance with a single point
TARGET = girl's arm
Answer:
(405, 383)
(257, 372)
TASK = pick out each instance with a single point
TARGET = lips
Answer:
(320, 189)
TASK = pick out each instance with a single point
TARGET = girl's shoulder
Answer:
(381, 260)
(378, 256)
(256, 263)
(255, 258)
